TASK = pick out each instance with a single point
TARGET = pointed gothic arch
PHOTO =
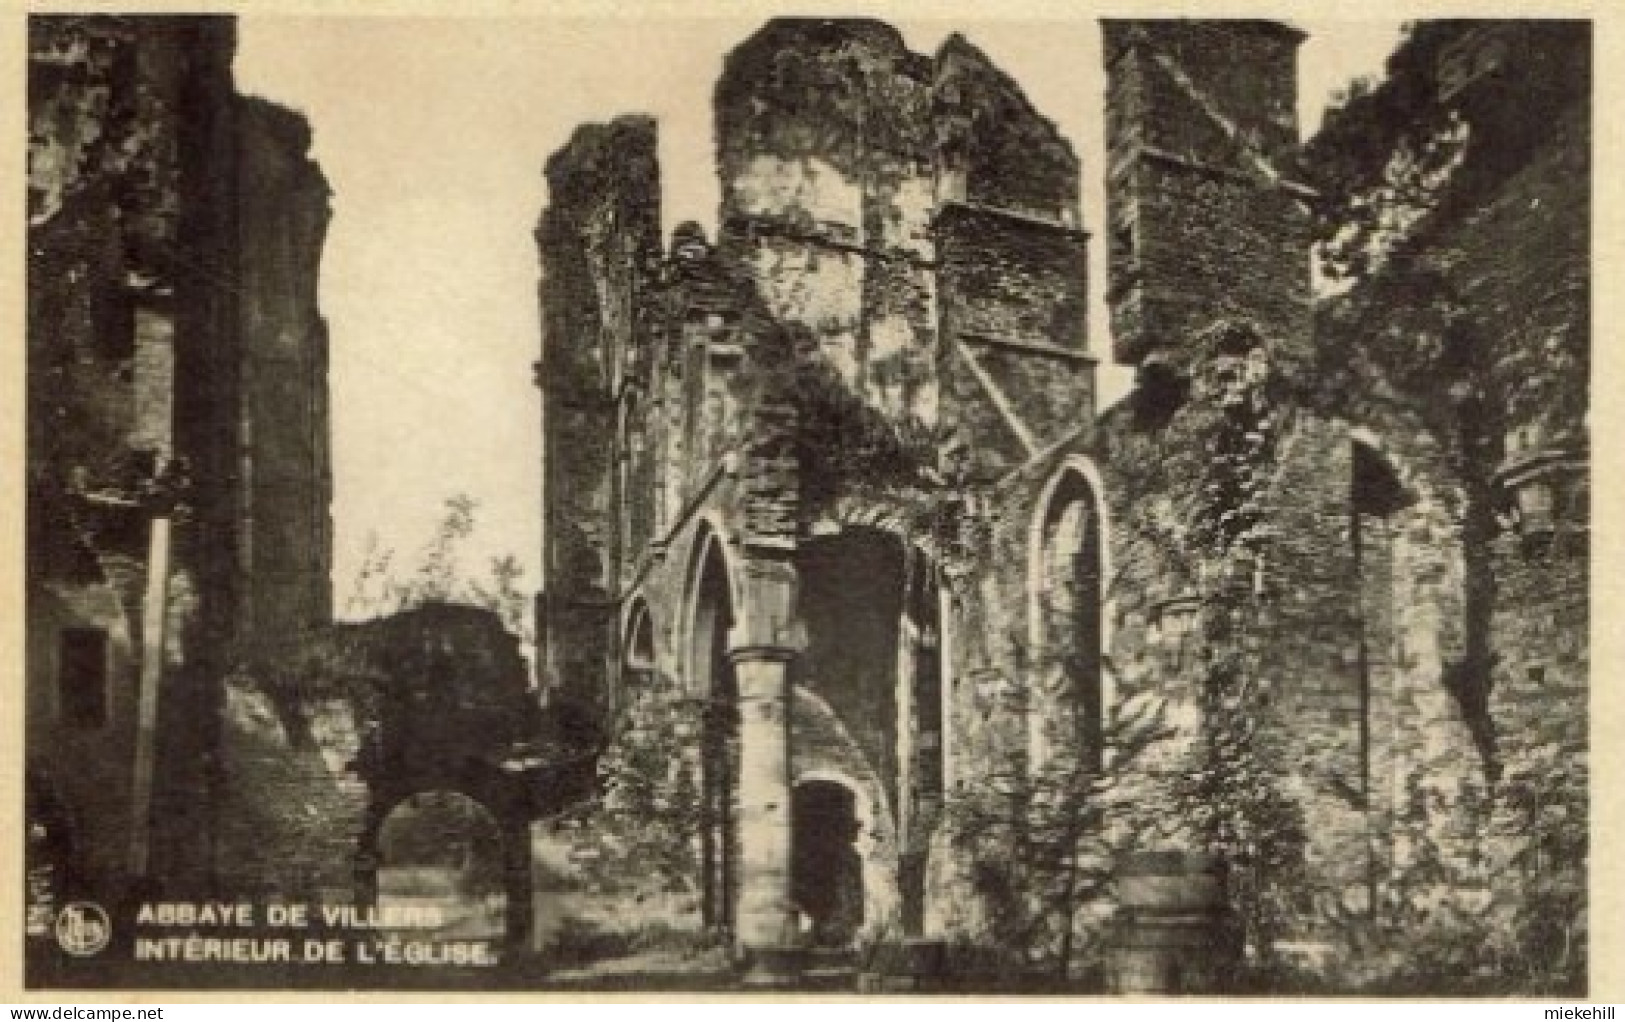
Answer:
(1067, 571)
(708, 675)
(638, 638)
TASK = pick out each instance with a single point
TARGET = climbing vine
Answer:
(1476, 317)
(1233, 795)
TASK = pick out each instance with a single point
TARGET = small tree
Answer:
(645, 821)
(342, 660)
(1042, 838)
(442, 577)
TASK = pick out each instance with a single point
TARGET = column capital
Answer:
(764, 653)
(785, 641)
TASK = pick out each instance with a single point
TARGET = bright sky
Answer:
(433, 133)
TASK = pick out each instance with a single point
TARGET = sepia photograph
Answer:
(882, 507)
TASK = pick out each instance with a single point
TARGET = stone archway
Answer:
(442, 859)
(871, 603)
(637, 673)
(490, 797)
(711, 677)
(826, 867)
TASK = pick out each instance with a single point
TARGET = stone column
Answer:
(766, 918)
(766, 638)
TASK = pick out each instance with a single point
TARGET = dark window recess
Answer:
(115, 332)
(1375, 488)
(1161, 389)
(1124, 242)
(1124, 256)
(82, 677)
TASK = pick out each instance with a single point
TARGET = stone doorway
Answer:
(826, 870)
(441, 862)
(871, 606)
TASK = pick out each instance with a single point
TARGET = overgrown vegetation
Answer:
(1487, 894)
(442, 576)
(1043, 839)
(438, 639)
(1471, 306)
(1395, 150)
(1234, 797)
(643, 828)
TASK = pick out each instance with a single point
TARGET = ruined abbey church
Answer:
(836, 528)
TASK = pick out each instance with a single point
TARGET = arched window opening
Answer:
(1067, 704)
(637, 496)
(1375, 495)
(920, 687)
(922, 644)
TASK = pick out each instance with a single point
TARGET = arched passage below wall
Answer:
(442, 865)
(871, 605)
(826, 867)
(513, 791)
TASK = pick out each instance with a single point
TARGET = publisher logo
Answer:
(83, 929)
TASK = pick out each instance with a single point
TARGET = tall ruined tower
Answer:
(748, 443)
(286, 484)
(1013, 267)
(176, 359)
(825, 158)
(1205, 219)
(599, 239)
(1208, 282)
(916, 220)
